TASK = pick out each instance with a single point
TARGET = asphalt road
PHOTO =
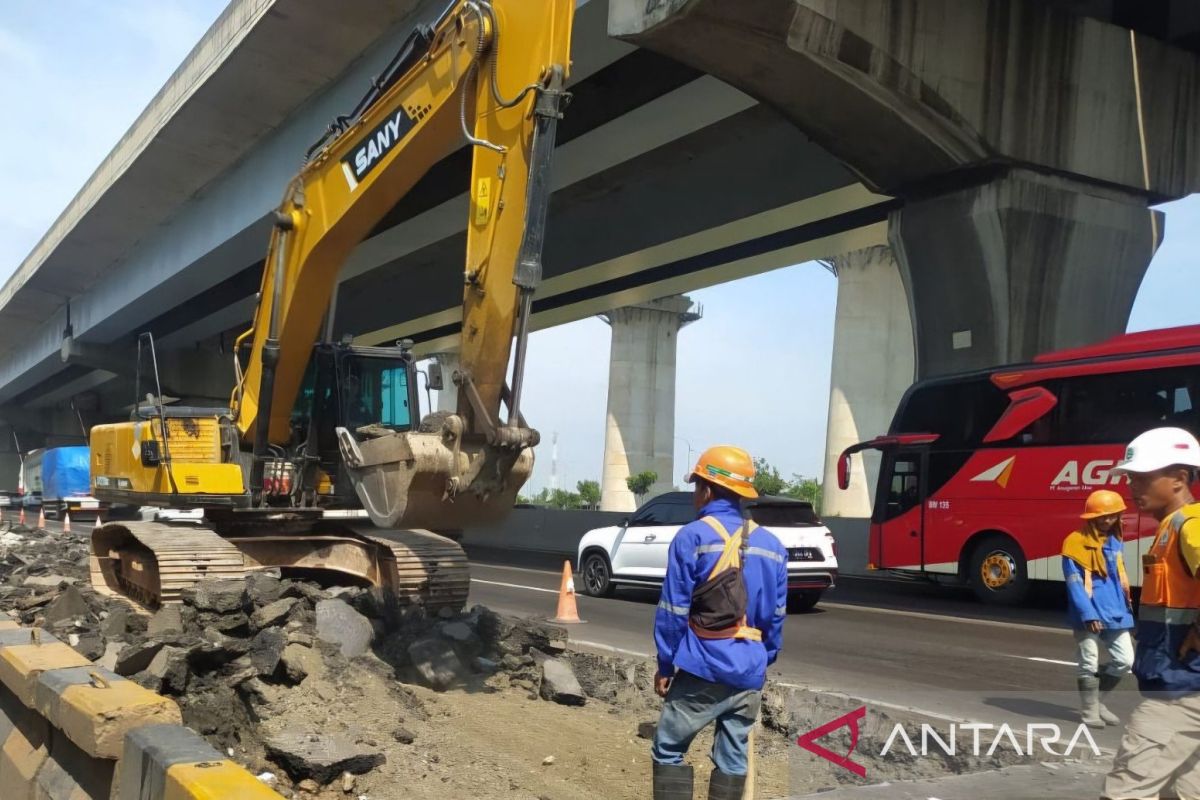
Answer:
(888, 642)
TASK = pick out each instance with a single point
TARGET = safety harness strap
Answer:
(730, 558)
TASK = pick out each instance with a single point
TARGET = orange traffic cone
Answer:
(66, 522)
(567, 612)
(98, 524)
(41, 519)
(22, 518)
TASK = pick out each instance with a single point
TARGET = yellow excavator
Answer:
(314, 429)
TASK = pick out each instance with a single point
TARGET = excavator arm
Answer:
(489, 71)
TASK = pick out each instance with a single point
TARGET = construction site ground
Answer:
(309, 688)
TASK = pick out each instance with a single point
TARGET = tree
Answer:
(562, 499)
(767, 479)
(589, 493)
(640, 484)
(803, 488)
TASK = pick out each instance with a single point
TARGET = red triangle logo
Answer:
(809, 740)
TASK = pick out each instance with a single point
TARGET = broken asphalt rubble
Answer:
(235, 651)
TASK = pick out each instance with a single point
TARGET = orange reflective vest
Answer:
(1170, 603)
(731, 558)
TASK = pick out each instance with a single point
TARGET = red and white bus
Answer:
(984, 474)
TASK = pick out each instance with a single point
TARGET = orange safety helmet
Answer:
(726, 466)
(1101, 503)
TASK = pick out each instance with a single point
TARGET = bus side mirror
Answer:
(843, 471)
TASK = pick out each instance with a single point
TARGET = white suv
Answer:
(635, 553)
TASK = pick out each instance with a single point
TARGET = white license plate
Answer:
(89, 503)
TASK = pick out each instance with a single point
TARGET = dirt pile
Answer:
(324, 695)
(315, 687)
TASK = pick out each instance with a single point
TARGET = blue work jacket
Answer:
(1107, 602)
(740, 663)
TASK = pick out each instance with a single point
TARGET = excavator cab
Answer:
(371, 389)
(359, 441)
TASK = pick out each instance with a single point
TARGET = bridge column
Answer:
(640, 432)
(446, 363)
(872, 366)
(1023, 264)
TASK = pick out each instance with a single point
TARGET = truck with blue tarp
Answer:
(67, 483)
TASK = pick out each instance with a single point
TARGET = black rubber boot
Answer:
(722, 786)
(673, 782)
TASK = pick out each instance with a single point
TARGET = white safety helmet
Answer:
(1161, 448)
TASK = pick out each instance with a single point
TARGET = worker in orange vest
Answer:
(1160, 751)
(1100, 605)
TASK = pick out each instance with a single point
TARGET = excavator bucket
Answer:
(440, 481)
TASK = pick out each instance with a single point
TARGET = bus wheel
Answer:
(997, 571)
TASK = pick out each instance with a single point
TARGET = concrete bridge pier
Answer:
(640, 429)
(1026, 263)
(872, 366)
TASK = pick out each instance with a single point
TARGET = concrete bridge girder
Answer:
(1024, 160)
(1031, 84)
(189, 374)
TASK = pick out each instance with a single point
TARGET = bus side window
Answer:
(904, 491)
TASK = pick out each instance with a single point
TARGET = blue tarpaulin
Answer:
(66, 473)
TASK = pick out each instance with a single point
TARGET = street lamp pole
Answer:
(689, 449)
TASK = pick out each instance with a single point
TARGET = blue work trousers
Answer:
(691, 704)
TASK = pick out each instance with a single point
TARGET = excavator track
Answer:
(152, 563)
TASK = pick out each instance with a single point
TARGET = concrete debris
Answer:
(263, 588)
(136, 657)
(168, 619)
(89, 645)
(252, 661)
(299, 662)
(560, 684)
(115, 625)
(484, 666)
(68, 606)
(167, 672)
(273, 613)
(436, 662)
(266, 650)
(109, 659)
(321, 757)
(47, 581)
(646, 730)
(219, 596)
(339, 624)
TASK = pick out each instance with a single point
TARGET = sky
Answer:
(78, 72)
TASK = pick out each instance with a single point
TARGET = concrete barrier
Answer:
(71, 730)
(552, 532)
(851, 535)
(541, 530)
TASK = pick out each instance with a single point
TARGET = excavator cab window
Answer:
(375, 391)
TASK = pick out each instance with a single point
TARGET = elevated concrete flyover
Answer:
(665, 180)
(1023, 139)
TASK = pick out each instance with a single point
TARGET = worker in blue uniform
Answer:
(719, 624)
